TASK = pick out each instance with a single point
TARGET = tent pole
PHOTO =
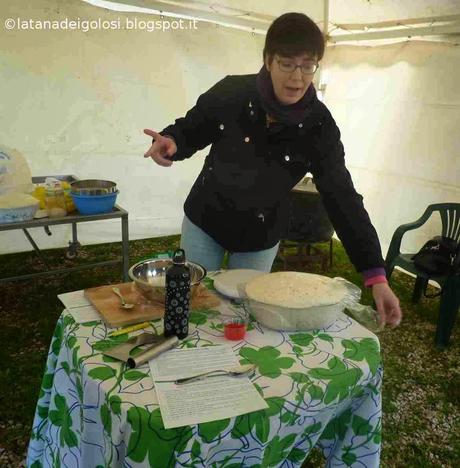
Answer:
(320, 85)
(326, 18)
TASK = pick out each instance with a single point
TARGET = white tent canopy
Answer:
(75, 102)
(341, 11)
(345, 19)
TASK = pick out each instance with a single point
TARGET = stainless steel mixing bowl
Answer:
(149, 276)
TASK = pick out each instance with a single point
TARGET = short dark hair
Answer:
(294, 34)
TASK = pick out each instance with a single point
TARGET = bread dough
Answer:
(295, 290)
(15, 173)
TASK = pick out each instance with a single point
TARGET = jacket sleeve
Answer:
(343, 204)
(200, 127)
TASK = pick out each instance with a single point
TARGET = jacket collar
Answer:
(255, 112)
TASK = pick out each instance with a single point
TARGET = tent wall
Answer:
(398, 108)
(76, 103)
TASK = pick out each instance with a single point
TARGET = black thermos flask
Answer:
(177, 300)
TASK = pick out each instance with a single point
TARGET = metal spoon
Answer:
(235, 372)
(123, 304)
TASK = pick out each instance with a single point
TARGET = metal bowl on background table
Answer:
(93, 187)
(150, 275)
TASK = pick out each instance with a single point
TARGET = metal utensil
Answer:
(234, 372)
(121, 351)
(164, 344)
(124, 304)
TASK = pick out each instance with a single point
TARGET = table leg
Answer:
(72, 250)
(125, 246)
(36, 248)
(74, 233)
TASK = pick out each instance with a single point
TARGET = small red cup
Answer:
(235, 330)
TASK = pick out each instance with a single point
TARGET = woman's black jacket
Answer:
(240, 198)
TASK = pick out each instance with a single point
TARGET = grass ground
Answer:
(421, 389)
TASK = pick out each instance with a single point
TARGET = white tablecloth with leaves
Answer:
(322, 387)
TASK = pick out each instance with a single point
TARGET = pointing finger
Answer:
(151, 133)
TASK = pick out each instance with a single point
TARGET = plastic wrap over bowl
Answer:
(313, 317)
(290, 319)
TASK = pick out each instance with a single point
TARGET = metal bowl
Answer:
(93, 187)
(149, 277)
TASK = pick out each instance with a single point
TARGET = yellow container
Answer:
(40, 194)
(68, 198)
(55, 201)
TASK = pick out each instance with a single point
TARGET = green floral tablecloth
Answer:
(322, 388)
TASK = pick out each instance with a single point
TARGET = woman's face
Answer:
(290, 87)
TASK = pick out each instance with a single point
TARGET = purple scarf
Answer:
(290, 114)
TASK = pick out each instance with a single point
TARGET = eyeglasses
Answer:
(290, 67)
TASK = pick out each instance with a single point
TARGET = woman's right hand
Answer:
(162, 149)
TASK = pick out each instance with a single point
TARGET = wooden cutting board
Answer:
(107, 303)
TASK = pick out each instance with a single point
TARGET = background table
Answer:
(322, 388)
(74, 219)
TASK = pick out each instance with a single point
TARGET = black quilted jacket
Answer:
(241, 196)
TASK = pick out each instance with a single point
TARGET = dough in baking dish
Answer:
(295, 290)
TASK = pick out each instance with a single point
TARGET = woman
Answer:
(267, 131)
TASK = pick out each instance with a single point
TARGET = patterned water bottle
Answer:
(177, 298)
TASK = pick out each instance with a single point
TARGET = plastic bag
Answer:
(367, 316)
(15, 175)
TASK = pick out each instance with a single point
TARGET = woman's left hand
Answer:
(387, 304)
